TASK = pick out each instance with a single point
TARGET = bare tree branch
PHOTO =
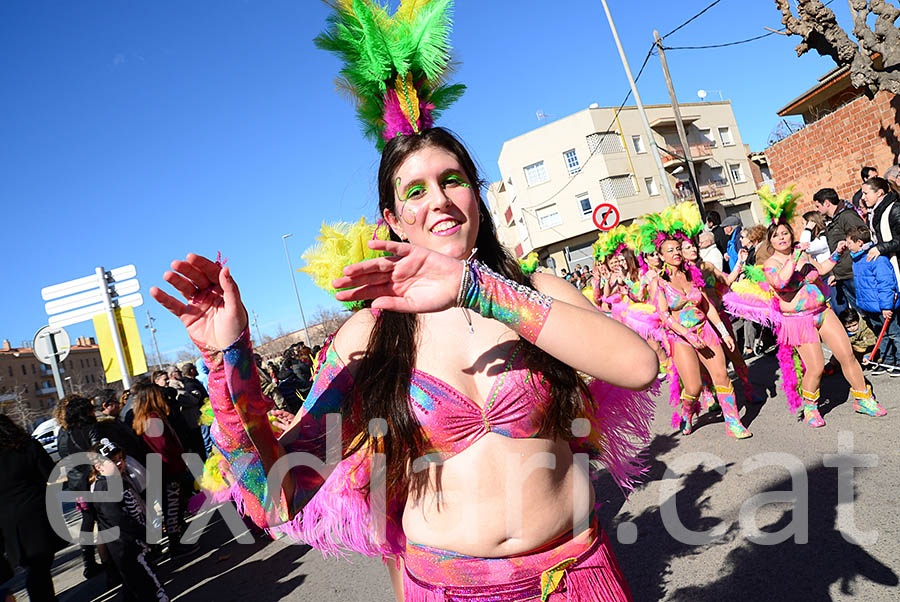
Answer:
(818, 27)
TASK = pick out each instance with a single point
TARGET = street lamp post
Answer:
(284, 238)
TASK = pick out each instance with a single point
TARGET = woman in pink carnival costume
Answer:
(693, 325)
(458, 361)
(624, 292)
(805, 319)
(715, 284)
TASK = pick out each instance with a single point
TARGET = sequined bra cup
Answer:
(452, 422)
(685, 304)
(808, 297)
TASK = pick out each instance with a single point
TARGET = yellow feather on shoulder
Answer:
(337, 246)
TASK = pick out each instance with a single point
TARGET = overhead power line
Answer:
(697, 16)
(611, 123)
(725, 44)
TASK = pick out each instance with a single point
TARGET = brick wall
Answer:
(830, 152)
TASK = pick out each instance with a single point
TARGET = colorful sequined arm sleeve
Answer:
(242, 431)
(774, 277)
(521, 308)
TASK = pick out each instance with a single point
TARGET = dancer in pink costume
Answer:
(466, 424)
(805, 321)
(693, 325)
(715, 285)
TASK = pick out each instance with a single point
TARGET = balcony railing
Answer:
(699, 152)
(708, 192)
(46, 390)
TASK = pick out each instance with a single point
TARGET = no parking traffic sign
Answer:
(606, 216)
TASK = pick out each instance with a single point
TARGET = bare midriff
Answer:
(501, 497)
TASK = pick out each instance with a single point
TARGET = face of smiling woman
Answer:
(435, 205)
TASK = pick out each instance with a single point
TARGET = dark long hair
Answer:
(381, 388)
(12, 436)
(79, 411)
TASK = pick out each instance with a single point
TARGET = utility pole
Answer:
(256, 328)
(149, 326)
(654, 149)
(679, 125)
(284, 238)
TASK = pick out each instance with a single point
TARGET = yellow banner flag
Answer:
(131, 344)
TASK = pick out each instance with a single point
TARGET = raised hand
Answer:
(214, 315)
(411, 280)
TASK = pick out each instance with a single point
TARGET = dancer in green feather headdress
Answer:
(805, 320)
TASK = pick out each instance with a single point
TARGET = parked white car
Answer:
(46, 432)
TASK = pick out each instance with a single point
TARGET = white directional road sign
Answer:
(86, 313)
(118, 289)
(85, 284)
(81, 299)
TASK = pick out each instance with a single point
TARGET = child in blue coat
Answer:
(876, 296)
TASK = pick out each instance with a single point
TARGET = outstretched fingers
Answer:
(370, 266)
(229, 288)
(400, 249)
(182, 284)
(209, 269)
(191, 272)
(169, 302)
(368, 291)
(360, 280)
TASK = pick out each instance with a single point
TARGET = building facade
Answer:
(554, 177)
(844, 131)
(27, 391)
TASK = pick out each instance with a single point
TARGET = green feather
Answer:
(429, 37)
(376, 47)
(754, 273)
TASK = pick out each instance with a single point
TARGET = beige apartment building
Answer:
(554, 177)
(27, 391)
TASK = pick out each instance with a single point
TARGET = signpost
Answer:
(51, 346)
(81, 299)
(606, 216)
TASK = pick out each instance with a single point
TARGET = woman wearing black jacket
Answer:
(28, 537)
(78, 433)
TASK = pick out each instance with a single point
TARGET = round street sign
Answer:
(606, 216)
(43, 349)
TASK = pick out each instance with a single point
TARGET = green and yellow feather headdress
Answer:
(609, 243)
(778, 208)
(395, 66)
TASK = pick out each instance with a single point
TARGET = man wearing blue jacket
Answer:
(876, 296)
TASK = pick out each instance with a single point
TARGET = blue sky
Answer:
(136, 132)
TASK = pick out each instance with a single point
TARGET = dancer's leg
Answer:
(834, 335)
(685, 358)
(714, 361)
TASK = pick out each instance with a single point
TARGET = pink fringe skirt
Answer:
(800, 328)
(584, 571)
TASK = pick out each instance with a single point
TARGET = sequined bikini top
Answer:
(452, 421)
(677, 299)
(800, 277)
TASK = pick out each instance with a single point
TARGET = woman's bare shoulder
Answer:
(352, 338)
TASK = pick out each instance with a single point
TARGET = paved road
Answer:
(659, 563)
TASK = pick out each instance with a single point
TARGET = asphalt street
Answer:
(771, 518)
